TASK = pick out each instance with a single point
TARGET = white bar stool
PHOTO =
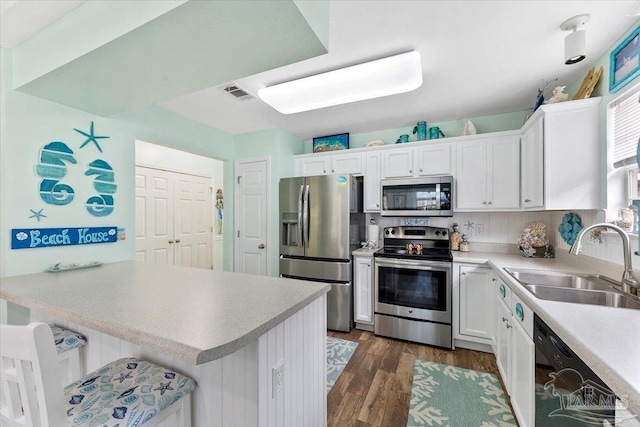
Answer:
(128, 392)
(68, 345)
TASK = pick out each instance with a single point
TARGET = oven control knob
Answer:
(386, 231)
(438, 233)
(393, 231)
(444, 233)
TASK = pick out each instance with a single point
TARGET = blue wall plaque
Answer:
(27, 238)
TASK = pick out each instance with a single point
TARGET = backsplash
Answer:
(505, 227)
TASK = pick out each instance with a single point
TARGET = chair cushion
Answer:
(127, 392)
(66, 339)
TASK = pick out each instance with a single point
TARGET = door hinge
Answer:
(238, 233)
(212, 228)
(239, 176)
(211, 189)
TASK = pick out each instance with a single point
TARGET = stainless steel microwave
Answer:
(424, 196)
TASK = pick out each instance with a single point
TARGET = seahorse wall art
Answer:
(52, 168)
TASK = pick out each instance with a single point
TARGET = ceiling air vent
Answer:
(237, 92)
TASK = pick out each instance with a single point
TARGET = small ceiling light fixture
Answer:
(374, 79)
(575, 45)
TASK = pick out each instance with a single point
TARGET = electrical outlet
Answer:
(277, 378)
(479, 229)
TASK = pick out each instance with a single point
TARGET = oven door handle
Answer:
(419, 265)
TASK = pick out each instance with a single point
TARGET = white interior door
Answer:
(192, 214)
(173, 218)
(252, 213)
(154, 216)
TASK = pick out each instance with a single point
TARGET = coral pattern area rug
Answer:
(339, 352)
(443, 395)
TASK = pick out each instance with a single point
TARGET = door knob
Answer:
(170, 241)
(261, 246)
(177, 240)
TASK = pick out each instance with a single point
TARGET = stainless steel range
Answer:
(413, 285)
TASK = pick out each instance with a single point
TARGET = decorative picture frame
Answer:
(331, 143)
(624, 61)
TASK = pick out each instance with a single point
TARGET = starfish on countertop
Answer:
(91, 137)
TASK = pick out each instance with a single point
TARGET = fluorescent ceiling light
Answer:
(387, 76)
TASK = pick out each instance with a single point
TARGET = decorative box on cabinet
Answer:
(488, 173)
(566, 138)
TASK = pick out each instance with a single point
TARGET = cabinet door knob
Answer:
(493, 279)
(464, 273)
(527, 200)
(333, 170)
(410, 170)
(509, 326)
(420, 169)
(484, 203)
(261, 246)
(377, 205)
(368, 265)
(504, 319)
(490, 203)
(324, 171)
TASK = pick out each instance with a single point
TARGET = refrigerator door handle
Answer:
(300, 218)
(305, 215)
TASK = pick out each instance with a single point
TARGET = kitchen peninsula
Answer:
(225, 330)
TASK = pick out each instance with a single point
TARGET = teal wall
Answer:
(28, 123)
(484, 124)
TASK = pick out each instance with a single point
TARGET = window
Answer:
(624, 122)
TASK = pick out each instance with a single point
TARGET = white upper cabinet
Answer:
(372, 182)
(532, 165)
(397, 163)
(329, 163)
(571, 156)
(410, 162)
(488, 174)
(433, 159)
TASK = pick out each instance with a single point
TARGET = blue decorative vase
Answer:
(421, 131)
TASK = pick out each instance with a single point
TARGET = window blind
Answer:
(626, 128)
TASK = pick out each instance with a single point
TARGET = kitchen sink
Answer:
(575, 288)
(583, 296)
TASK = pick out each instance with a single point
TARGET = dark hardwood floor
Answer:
(375, 387)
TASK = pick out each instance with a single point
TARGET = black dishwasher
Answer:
(567, 393)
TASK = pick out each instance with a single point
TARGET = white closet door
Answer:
(154, 216)
(173, 218)
(193, 212)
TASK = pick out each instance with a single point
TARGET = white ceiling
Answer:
(479, 58)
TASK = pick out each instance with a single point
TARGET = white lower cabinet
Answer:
(503, 342)
(363, 291)
(515, 352)
(476, 302)
(522, 375)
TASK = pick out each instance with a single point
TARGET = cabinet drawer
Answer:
(504, 292)
(522, 314)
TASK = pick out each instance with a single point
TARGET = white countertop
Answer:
(607, 339)
(195, 315)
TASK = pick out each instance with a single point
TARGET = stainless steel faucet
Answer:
(629, 281)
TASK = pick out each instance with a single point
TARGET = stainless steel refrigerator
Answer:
(321, 222)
